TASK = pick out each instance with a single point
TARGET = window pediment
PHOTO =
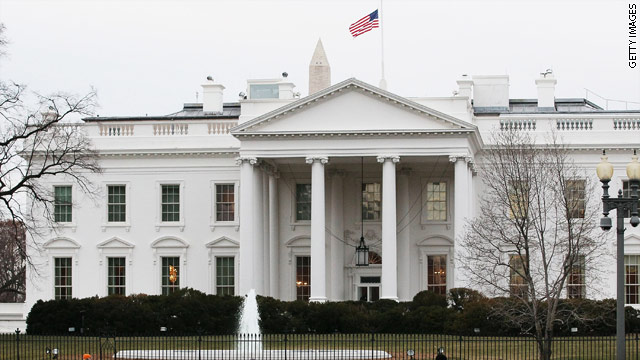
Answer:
(223, 242)
(61, 243)
(169, 242)
(115, 243)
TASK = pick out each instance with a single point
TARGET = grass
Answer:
(425, 346)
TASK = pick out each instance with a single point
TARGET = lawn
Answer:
(424, 346)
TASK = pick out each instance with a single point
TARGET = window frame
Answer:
(628, 284)
(571, 199)
(522, 205)
(626, 193)
(55, 277)
(446, 274)
(234, 277)
(124, 277)
(424, 220)
(180, 270)
(513, 273)
(213, 222)
(117, 224)
(295, 277)
(174, 224)
(72, 222)
(582, 286)
(294, 213)
(362, 202)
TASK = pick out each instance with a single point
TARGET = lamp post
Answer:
(621, 205)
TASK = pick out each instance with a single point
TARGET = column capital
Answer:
(321, 159)
(455, 157)
(383, 158)
(248, 159)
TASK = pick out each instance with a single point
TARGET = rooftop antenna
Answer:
(196, 96)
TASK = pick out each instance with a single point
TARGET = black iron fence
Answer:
(305, 347)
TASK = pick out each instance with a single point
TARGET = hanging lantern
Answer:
(362, 254)
(173, 274)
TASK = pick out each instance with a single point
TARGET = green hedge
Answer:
(185, 312)
(189, 311)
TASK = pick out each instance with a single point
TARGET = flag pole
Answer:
(383, 82)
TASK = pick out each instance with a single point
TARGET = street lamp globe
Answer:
(633, 168)
(605, 169)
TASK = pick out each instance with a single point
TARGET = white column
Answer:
(404, 249)
(274, 238)
(460, 210)
(245, 273)
(258, 234)
(389, 280)
(337, 228)
(265, 230)
(318, 258)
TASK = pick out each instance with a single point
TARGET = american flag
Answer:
(365, 24)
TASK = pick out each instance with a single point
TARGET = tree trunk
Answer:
(544, 348)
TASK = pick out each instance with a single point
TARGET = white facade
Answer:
(266, 148)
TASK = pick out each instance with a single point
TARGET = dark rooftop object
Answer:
(190, 111)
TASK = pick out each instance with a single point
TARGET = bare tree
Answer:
(535, 236)
(13, 272)
(39, 141)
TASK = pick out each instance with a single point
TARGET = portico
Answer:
(315, 145)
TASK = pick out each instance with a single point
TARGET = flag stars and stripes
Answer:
(367, 23)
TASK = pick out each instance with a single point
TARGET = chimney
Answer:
(491, 92)
(212, 96)
(464, 86)
(546, 91)
(319, 70)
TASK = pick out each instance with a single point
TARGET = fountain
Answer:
(249, 345)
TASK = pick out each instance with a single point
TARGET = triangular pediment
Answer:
(223, 242)
(115, 243)
(352, 106)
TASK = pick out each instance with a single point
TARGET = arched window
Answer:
(374, 258)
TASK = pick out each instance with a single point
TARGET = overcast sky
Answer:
(149, 57)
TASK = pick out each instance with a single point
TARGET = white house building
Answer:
(274, 192)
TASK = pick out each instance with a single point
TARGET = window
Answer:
(62, 203)
(303, 201)
(436, 201)
(170, 203)
(116, 203)
(225, 276)
(170, 274)
(576, 288)
(626, 192)
(437, 274)
(303, 277)
(518, 199)
(225, 202)
(631, 279)
(576, 198)
(116, 276)
(371, 200)
(62, 278)
(517, 284)
(369, 288)
(264, 91)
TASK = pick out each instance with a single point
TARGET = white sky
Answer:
(148, 57)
